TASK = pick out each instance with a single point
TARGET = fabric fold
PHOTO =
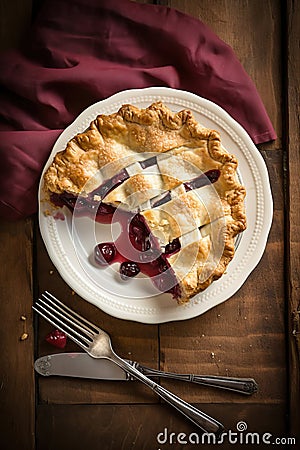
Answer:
(82, 51)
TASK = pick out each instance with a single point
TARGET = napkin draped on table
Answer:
(82, 51)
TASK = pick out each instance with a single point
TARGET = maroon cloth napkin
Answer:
(81, 51)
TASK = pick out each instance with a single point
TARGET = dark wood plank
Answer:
(17, 412)
(15, 18)
(259, 51)
(17, 388)
(293, 214)
(145, 427)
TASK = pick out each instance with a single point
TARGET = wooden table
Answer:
(255, 333)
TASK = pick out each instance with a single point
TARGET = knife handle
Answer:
(247, 386)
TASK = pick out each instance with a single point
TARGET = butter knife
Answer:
(81, 365)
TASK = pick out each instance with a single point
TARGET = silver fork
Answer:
(97, 344)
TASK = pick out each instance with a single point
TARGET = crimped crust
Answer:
(114, 141)
(126, 133)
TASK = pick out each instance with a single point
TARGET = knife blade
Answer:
(81, 365)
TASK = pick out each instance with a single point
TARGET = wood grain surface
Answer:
(254, 334)
(17, 390)
(293, 212)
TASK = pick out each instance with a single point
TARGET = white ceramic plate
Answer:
(135, 300)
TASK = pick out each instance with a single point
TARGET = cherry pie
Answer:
(171, 186)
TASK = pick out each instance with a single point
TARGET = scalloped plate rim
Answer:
(151, 313)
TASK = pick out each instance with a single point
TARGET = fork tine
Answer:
(88, 326)
(66, 321)
(59, 324)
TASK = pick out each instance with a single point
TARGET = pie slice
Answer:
(169, 183)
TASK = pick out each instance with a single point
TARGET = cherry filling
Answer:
(85, 206)
(206, 178)
(136, 249)
(111, 183)
(173, 247)
(139, 233)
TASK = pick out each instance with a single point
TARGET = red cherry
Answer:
(129, 269)
(57, 338)
(105, 253)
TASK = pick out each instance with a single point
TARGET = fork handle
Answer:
(199, 418)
